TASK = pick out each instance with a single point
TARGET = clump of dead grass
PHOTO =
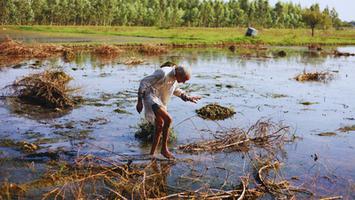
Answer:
(150, 49)
(215, 112)
(9, 47)
(92, 176)
(314, 76)
(277, 186)
(107, 50)
(49, 89)
(263, 134)
(133, 61)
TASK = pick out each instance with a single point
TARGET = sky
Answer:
(345, 8)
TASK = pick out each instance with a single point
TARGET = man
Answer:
(154, 93)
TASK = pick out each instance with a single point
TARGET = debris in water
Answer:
(314, 76)
(121, 111)
(215, 112)
(22, 146)
(327, 134)
(282, 53)
(307, 103)
(133, 61)
(150, 49)
(262, 134)
(347, 128)
(48, 89)
(107, 50)
(338, 53)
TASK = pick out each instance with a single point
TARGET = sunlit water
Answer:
(257, 88)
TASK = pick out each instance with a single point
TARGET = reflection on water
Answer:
(257, 87)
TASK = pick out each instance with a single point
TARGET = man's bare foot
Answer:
(167, 154)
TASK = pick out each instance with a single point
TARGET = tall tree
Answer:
(313, 17)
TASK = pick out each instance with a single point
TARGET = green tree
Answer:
(7, 12)
(313, 17)
(24, 12)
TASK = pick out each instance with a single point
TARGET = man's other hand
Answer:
(139, 106)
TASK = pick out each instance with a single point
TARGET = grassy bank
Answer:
(208, 36)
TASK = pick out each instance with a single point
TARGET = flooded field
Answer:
(320, 116)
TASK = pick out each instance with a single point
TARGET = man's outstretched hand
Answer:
(139, 106)
(193, 99)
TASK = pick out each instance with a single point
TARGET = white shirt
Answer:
(157, 89)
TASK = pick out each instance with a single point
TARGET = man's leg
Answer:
(164, 115)
(158, 130)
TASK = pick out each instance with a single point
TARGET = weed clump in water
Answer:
(146, 132)
(22, 146)
(48, 89)
(133, 61)
(150, 49)
(314, 76)
(9, 47)
(347, 128)
(215, 112)
(107, 50)
(282, 53)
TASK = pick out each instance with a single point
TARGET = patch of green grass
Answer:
(194, 35)
(146, 131)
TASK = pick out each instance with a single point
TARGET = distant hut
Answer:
(251, 32)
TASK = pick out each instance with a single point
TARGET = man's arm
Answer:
(180, 93)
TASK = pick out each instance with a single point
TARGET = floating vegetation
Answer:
(346, 54)
(107, 50)
(121, 111)
(347, 128)
(262, 134)
(133, 61)
(327, 134)
(146, 132)
(277, 96)
(282, 53)
(215, 112)
(314, 76)
(22, 146)
(150, 49)
(48, 89)
(308, 103)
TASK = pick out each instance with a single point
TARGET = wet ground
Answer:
(257, 87)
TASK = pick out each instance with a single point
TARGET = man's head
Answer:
(182, 74)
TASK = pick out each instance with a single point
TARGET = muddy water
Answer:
(256, 87)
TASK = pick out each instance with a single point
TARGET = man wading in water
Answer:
(154, 93)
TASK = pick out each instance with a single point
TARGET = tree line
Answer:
(166, 13)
